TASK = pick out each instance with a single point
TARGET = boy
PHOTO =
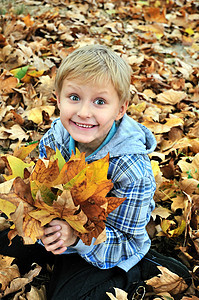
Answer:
(92, 88)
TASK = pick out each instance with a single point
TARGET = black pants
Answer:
(75, 279)
(25, 254)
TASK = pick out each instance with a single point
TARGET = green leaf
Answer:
(47, 195)
(20, 72)
(61, 160)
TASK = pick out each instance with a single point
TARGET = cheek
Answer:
(65, 111)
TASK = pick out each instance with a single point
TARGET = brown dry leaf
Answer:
(167, 281)
(7, 82)
(5, 261)
(119, 295)
(19, 283)
(163, 212)
(28, 228)
(190, 298)
(156, 28)
(16, 132)
(178, 202)
(36, 294)
(189, 186)
(4, 224)
(163, 128)
(7, 275)
(190, 170)
(171, 97)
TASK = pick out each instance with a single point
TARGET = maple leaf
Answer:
(167, 281)
(119, 295)
(10, 278)
(170, 228)
(4, 223)
(23, 151)
(7, 274)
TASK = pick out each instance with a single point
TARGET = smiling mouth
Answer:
(83, 125)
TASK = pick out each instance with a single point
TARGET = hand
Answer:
(58, 236)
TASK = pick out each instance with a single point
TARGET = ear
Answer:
(122, 110)
(58, 100)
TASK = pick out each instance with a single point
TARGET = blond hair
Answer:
(98, 64)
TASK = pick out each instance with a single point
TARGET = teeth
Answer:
(83, 125)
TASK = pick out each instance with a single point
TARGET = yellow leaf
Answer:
(35, 114)
(189, 31)
(17, 167)
(7, 207)
(168, 225)
(155, 167)
(24, 151)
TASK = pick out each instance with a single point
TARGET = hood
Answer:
(130, 138)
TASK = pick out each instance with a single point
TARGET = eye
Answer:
(99, 101)
(74, 97)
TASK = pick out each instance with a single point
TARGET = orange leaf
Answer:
(27, 20)
(153, 14)
(43, 174)
(113, 203)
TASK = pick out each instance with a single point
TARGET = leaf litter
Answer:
(159, 39)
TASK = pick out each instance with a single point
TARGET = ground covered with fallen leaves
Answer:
(160, 40)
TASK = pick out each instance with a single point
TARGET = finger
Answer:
(51, 229)
(52, 238)
(54, 246)
(60, 250)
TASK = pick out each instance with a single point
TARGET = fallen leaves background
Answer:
(159, 39)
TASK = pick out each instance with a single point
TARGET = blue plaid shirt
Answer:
(131, 173)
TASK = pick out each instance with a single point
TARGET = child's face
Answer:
(88, 111)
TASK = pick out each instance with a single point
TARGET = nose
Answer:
(84, 110)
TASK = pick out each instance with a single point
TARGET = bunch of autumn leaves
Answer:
(33, 194)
